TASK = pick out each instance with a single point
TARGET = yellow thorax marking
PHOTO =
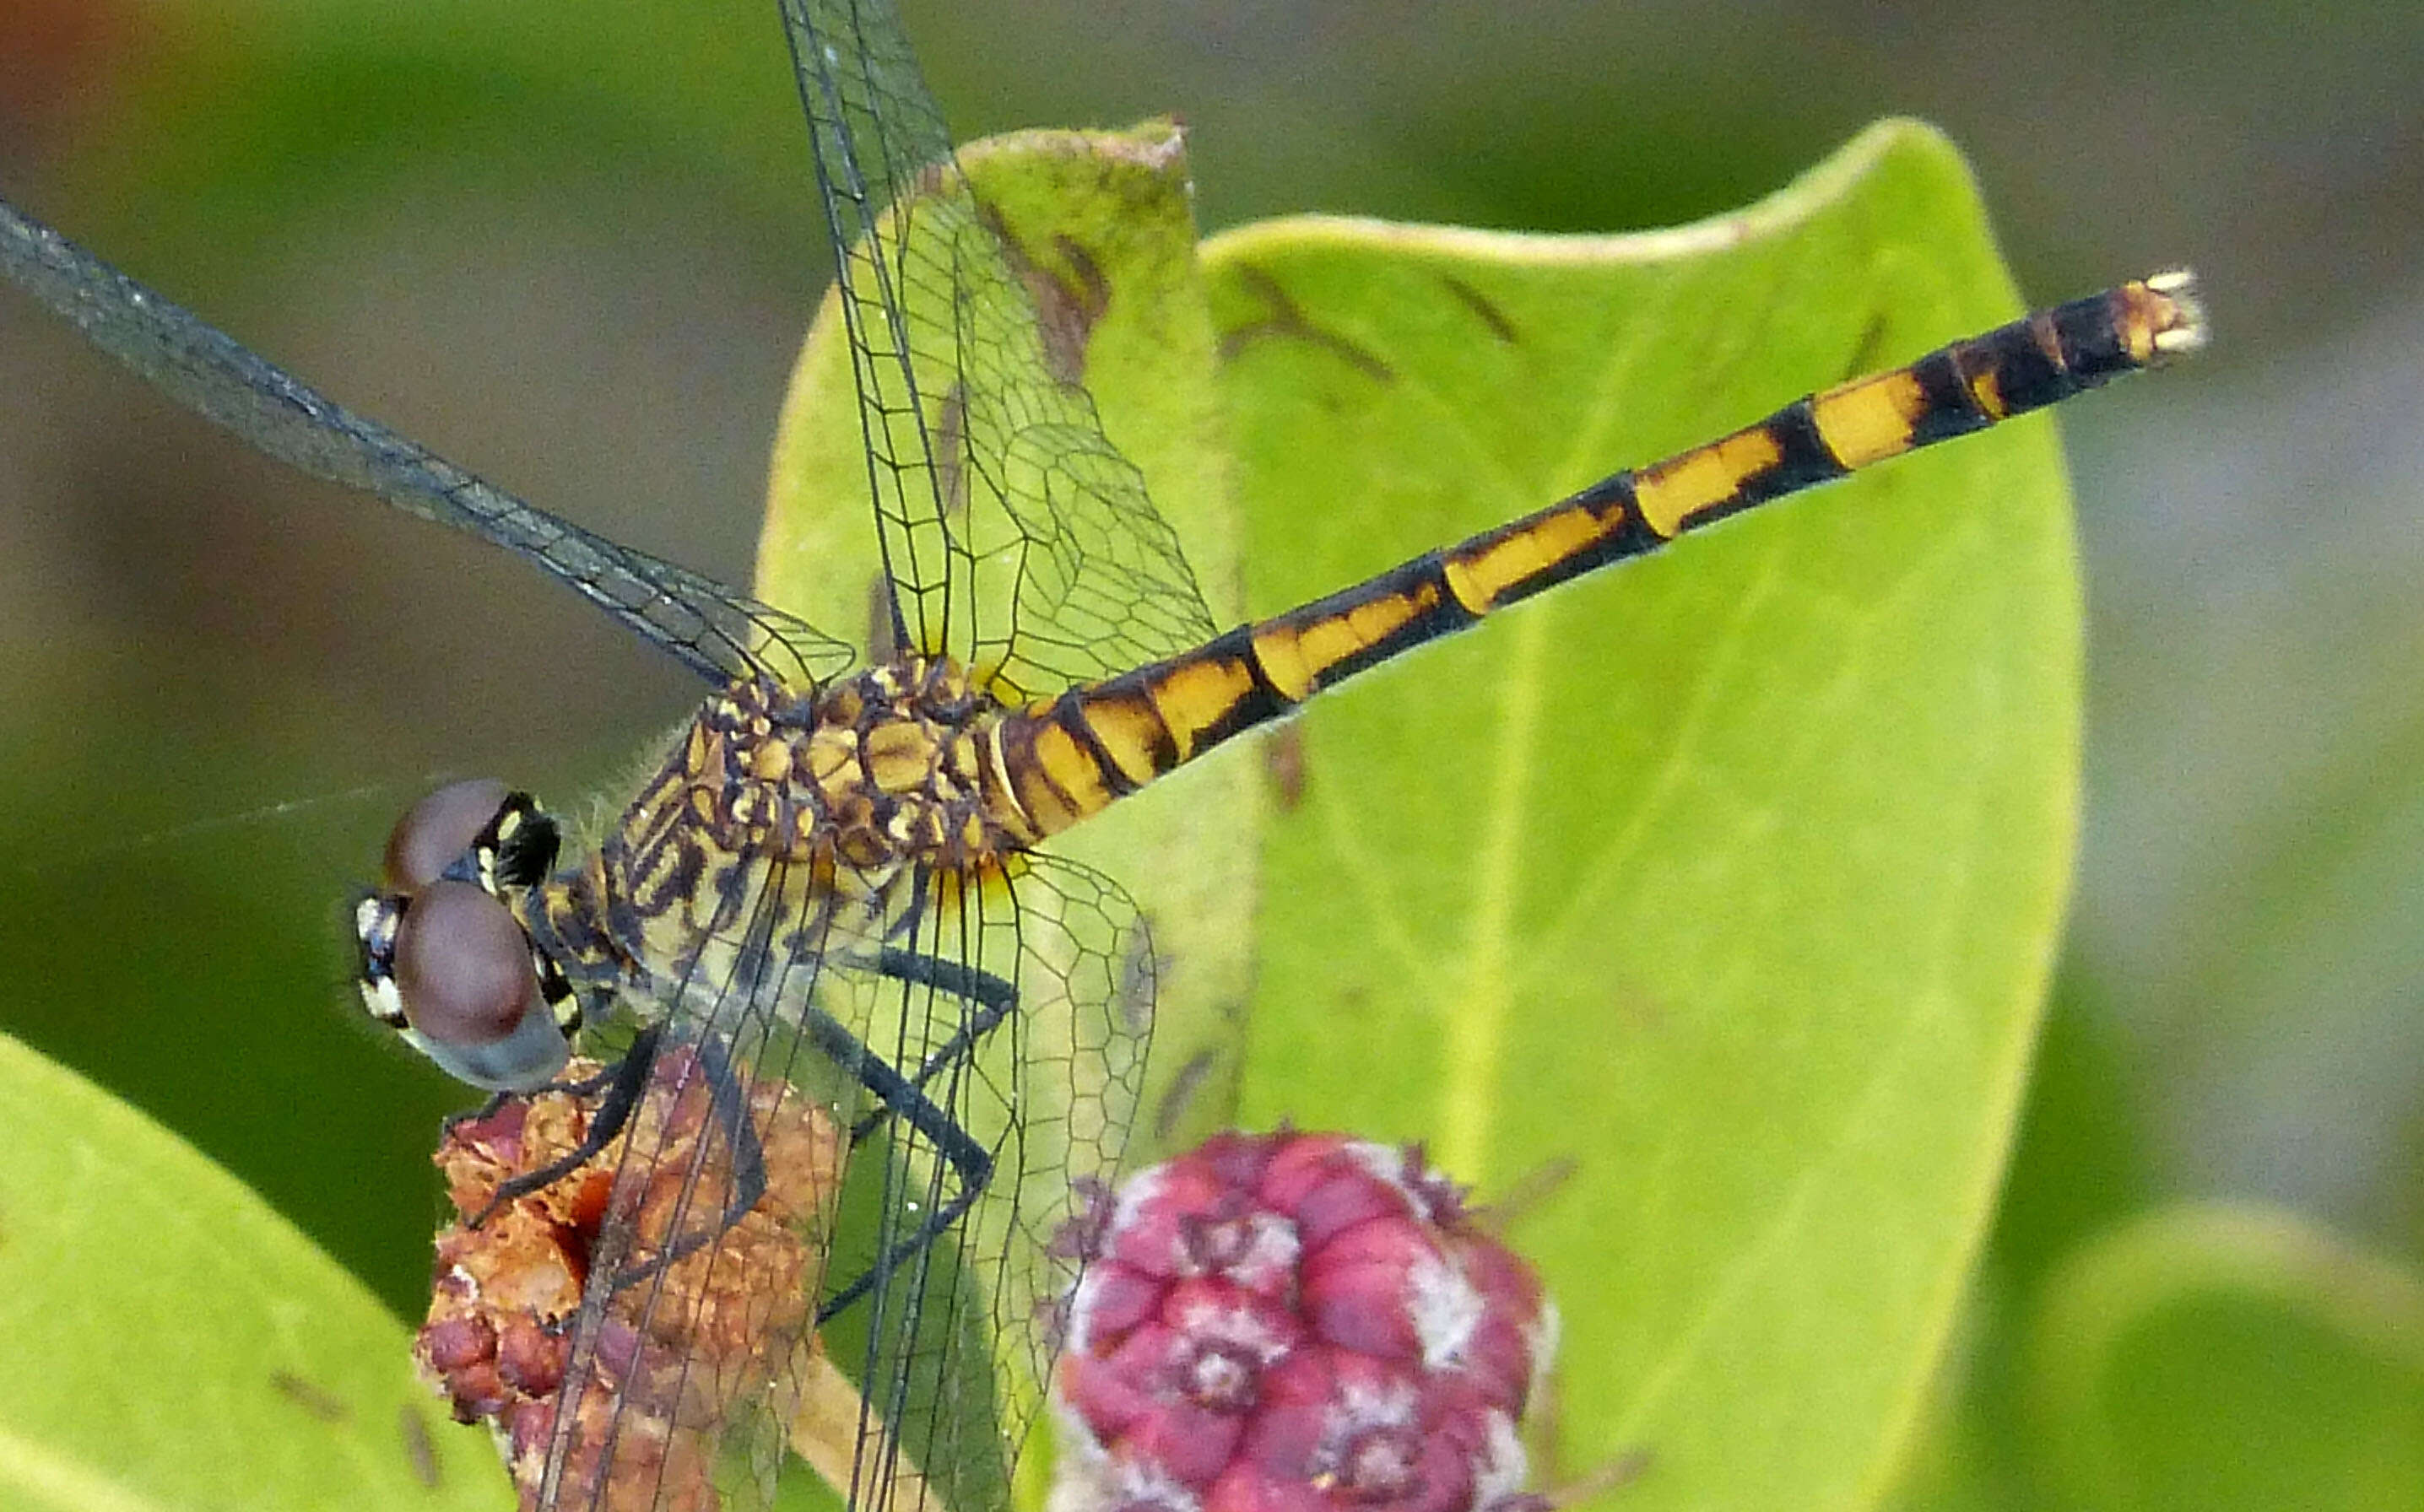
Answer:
(900, 757)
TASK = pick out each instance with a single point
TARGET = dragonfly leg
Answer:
(731, 1109)
(621, 1083)
(897, 1097)
(903, 1098)
(991, 997)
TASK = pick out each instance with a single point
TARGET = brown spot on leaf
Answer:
(1864, 350)
(951, 451)
(317, 1400)
(1142, 969)
(420, 1453)
(1615, 1475)
(1068, 302)
(1524, 1195)
(1283, 762)
(1183, 1091)
(1092, 287)
(1484, 310)
(1286, 322)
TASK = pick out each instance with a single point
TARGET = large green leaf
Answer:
(2225, 1358)
(172, 1342)
(1729, 884)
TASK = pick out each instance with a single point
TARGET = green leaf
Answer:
(2222, 1358)
(173, 1343)
(1727, 883)
(2081, 1164)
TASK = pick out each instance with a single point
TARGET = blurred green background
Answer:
(573, 247)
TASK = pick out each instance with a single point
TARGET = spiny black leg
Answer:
(622, 1083)
(903, 1099)
(994, 999)
(895, 1096)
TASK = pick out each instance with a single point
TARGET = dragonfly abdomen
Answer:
(1072, 755)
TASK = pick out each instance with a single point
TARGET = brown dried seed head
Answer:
(676, 1354)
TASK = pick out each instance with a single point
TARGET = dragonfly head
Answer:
(445, 962)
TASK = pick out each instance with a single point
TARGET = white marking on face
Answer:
(383, 1002)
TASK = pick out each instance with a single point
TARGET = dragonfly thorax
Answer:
(889, 767)
(827, 801)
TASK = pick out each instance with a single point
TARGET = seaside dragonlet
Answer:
(836, 891)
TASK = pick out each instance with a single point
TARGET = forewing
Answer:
(1015, 535)
(721, 633)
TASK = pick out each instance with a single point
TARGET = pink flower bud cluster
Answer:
(1295, 1323)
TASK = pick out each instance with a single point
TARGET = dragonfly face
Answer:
(835, 891)
(445, 962)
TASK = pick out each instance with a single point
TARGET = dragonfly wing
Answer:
(841, 1213)
(1015, 535)
(695, 1343)
(719, 634)
(1031, 1042)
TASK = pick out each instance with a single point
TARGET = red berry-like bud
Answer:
(530, 1358)
(1295, 1323)
(458, 1343)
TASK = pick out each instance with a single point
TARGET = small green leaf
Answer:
(2229, 1357)
(172, 1342)
(1727, 883)
(2222, 1357)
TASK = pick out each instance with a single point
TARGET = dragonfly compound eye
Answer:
(469, 990)
(434, 832)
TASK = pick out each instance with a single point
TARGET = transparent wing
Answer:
(841, 1219)
(957, 1341)
(694, 1343)
(1015, 535)
(719, 634)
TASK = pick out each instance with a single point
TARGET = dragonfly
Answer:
(836, 892)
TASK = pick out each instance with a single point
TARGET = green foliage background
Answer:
(572, 256)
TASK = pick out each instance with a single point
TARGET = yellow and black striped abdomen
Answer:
(1069, 757)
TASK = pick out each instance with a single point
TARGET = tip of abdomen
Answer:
(2171, 315)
